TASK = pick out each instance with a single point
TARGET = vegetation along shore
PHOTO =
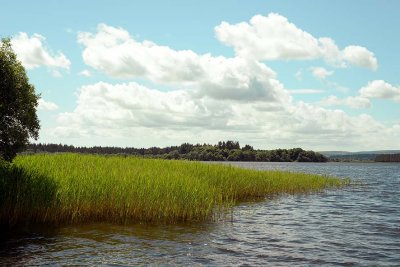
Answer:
(71, 188)
(222, 151)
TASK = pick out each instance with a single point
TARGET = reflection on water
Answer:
(359, 225)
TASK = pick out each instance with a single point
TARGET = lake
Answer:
(358, 225)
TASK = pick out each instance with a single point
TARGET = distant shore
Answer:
(222, 151)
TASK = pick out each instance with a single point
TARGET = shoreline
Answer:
(70, 188)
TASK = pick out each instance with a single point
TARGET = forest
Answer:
(222, 151)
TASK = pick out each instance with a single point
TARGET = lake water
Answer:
(356, 226)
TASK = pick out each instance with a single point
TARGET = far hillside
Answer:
(388, 158)
(370, 156)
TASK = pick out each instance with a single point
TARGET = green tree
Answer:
(230, 145)
(174, 154)
(247, 147)
(185, 148)
(18, 103)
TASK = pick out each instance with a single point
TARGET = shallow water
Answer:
(356, 226)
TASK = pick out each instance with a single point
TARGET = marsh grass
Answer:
(72, 188)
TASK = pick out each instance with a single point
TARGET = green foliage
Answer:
(223, 151)
(69, 188)
(18, 102)
(230, 145)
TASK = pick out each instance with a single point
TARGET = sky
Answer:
(321, 75)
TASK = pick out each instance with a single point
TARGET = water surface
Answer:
(356, 226)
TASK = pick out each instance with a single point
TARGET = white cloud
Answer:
(305, 91)
(273, 37)
(47, 105)
(131, 106)
(320, 72)
(85, 73)
(360, 56)
(331, 100)
(141, 115)
(377, 89)
(33, 54)
(115, 52)
(268, 38)
(381, 90)
(356, 102)
(213, 98)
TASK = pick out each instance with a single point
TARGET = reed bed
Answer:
(73, 188)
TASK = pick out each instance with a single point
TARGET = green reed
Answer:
(72, 188)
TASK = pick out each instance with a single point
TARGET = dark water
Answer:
(357, 226)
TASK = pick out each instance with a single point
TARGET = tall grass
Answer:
(69, 188)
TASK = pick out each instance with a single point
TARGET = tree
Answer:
(230, 145)
(185, 148)
(18, 103)
(247, 147)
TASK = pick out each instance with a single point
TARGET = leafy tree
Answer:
(221, 145)
(185, 148)
(235, 155)
(18, 103)
(294, 153)
(174, 154)
(263, 156)
(230, 145)
(247, 147)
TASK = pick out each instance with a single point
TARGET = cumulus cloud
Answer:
(356, 102)
(269, 38)
(212, 98)
(136, 112)
(131, 105)
(33, 53)
(273, 37)
(320, 72)
(360, 56)
(305, 91)
(381, 90)
(115, 52)
(377, 89)
(47, 105)
(331, 123)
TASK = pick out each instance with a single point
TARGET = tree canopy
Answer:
(222, 151)
(18, 103)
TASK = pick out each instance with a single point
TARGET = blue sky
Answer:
(320, 75)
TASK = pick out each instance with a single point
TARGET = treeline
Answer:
(223, 151)
(388, 158)
(353, 158)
